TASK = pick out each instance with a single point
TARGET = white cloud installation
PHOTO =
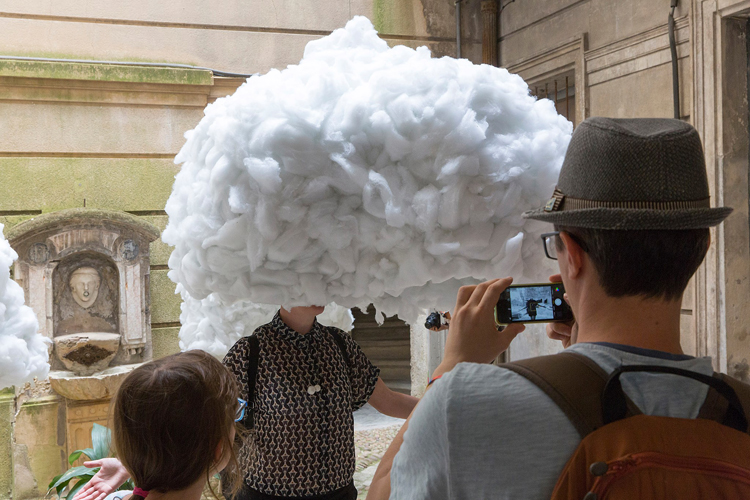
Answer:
(23, 351)
(364, 174)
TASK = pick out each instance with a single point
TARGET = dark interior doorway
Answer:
(387, 346)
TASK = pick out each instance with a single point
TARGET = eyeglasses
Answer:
(240, 410)
(550, 243)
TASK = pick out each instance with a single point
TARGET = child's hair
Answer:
(170, 415)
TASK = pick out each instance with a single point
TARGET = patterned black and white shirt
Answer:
(304, 443)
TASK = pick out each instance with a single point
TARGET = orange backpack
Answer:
(624, 454)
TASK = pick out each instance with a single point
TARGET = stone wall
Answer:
(104, 136)
(619, 56)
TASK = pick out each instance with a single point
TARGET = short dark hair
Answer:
(649, 263)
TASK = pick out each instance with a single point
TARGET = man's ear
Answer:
(574, 255)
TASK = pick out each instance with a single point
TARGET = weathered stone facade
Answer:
(618, 56)
(81, 133)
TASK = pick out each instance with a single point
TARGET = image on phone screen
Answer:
(531, 303)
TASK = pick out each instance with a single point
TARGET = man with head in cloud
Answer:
(309, 380)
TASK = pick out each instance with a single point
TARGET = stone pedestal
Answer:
(81, 417)
(102, 385)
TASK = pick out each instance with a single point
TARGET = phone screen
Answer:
(533, 303)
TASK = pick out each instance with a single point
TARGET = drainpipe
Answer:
(675, 69)
(458, 29)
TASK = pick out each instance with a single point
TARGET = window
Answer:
(561, 90)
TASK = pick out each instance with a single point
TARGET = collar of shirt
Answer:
(282, 330)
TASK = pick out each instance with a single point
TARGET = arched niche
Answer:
(53, 246)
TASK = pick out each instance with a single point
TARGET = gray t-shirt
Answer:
(485, 432)
(118, 495)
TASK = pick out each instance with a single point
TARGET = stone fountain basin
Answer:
(87, 353)
(102, 385)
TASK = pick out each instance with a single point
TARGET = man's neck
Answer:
(298, 319)
(645, 323)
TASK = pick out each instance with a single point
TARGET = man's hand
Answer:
(473, 335)
(110, 477)
(566, 333)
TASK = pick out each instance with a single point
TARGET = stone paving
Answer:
(373, 433)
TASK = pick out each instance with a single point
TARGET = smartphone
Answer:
(533, 303)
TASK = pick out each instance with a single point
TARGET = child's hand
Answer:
(110, 477)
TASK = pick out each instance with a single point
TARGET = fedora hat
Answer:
(630, 174)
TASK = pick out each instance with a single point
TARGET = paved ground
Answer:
(373, 433)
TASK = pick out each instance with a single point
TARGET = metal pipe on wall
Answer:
(675, 68)
(458, 29)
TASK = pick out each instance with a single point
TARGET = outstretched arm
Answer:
(110, 477)
(391, 403)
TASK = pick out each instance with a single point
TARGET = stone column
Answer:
(489, 32)
(426, 354)
(7, 412)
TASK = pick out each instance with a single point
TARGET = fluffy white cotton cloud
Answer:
(23, 351)
(364, 174)
(214, 327)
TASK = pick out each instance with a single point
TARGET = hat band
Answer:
(559, 202)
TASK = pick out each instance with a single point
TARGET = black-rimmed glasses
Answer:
(550, 243)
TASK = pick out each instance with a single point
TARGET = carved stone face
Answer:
(84, 284)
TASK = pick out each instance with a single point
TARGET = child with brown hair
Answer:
(174, 426)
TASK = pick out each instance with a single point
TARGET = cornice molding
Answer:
(74, 83)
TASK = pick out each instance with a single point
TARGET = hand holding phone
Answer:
(566, 333)
(533, 303)
(473, 336)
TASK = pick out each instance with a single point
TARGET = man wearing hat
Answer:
(631, 215)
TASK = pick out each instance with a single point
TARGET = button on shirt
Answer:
(304, 443)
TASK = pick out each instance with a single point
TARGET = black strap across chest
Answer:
(253, 355)
(592, 398)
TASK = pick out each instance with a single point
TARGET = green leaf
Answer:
(54, 480)
(89, 452)
(127, 485)
(74, 456)
(72, 473)
(101, 437)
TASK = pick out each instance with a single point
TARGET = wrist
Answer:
(445, 366)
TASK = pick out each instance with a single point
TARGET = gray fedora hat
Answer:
(640, 173)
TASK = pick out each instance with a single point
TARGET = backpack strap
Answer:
(561, 377)
(741, 389)
(341, 345)
(253, 354)
(714, 406)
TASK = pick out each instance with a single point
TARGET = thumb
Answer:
(93, 463)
